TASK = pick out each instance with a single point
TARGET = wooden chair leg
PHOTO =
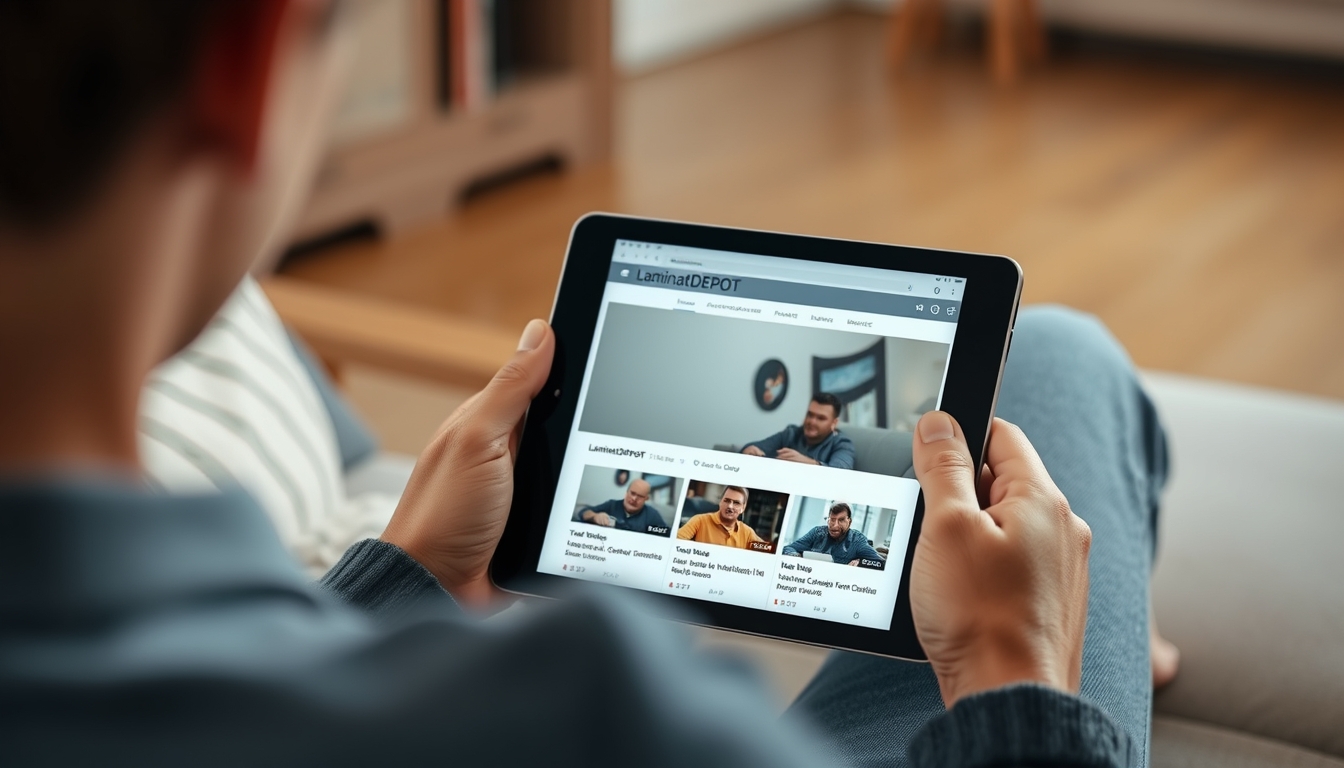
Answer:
(913, 25)
(1033, 32)
(933, 24)
(1004, 54)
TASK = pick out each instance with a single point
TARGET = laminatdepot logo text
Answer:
(693, 280)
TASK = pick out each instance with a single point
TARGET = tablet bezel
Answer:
(984, 331)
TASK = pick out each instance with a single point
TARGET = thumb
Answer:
(498, 408)
(943, 465)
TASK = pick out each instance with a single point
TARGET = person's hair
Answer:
(839, 507)
(77, 79)
(740, 490)
(826, 398)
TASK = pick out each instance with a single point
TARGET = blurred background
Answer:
(1173, 166)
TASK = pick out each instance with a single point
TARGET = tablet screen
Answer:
(744, 430)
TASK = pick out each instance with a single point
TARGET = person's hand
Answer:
(788, 454)
(453, 510)
(854, 562)
(602, 518)
(752, 450)
(998, 587)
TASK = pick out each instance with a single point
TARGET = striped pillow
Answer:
(236, 408)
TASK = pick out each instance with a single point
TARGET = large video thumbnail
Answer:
(811, 395)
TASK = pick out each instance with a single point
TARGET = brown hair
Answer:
(839, 507)
(740, 490)
(77, 79)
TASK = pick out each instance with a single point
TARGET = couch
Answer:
(1249, 580)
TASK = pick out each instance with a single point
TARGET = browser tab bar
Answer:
(788, 270)
(784, 292)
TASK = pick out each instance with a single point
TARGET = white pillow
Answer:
(237, 408)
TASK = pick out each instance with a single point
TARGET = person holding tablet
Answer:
(151, 151)
(817, 441)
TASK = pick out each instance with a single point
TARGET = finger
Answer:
(943, 465)
(1012, 459)
(497, 409)
(983, 488)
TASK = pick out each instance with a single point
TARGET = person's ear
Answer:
(236, 72)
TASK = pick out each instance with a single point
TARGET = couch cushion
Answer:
(237, 408)
(881, 451)
(1249, 572)
(1181, 743)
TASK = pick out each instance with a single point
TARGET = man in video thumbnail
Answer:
(722, 527)
(632, 513)
(837, 539)
(817, 441)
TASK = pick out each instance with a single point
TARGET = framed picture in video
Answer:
(728, 424)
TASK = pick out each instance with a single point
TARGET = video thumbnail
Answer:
(732, 516)
(809, 395)
(837, 531)
(628, 501)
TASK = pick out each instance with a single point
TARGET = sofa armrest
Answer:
(344, 327)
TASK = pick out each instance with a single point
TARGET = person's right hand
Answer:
(601, 518)
(752, 450)
(998, 587)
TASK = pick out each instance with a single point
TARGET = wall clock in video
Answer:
(771, 385)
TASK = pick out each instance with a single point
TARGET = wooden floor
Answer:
(1196, 207)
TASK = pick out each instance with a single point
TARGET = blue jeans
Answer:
(1070, 386)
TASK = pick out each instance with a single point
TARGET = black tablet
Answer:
(729, 423)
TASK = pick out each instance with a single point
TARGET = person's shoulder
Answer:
(841, 438)
(818, 529)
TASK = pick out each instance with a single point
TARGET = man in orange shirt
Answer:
(722, 527)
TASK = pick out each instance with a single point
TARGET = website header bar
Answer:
(730, 286)
(661, 256)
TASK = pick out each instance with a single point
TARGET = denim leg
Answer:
(1072, 389)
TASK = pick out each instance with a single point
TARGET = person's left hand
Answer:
(788, 454)
(854, 562)
(453, 510)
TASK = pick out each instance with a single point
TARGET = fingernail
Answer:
(935, 426)
(532, 335)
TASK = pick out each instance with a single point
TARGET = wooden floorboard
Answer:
(1196, 207)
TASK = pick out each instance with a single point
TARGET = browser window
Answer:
(744, 430)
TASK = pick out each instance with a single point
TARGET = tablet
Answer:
(729, 421)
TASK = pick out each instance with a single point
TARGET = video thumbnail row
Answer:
(752, 519)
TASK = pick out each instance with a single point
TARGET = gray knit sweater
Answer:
(140, 629)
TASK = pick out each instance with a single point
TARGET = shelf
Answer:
(416, 172)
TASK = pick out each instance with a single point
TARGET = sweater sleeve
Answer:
(803, 544)
(843, 456)
(1022, 725)
(770, 445)
(383, 580)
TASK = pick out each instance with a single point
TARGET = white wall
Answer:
(653, 32)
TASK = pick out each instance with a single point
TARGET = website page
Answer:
(744, 431)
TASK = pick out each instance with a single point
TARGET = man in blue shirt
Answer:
(632, 513)
(837, 539)
(817, 441)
